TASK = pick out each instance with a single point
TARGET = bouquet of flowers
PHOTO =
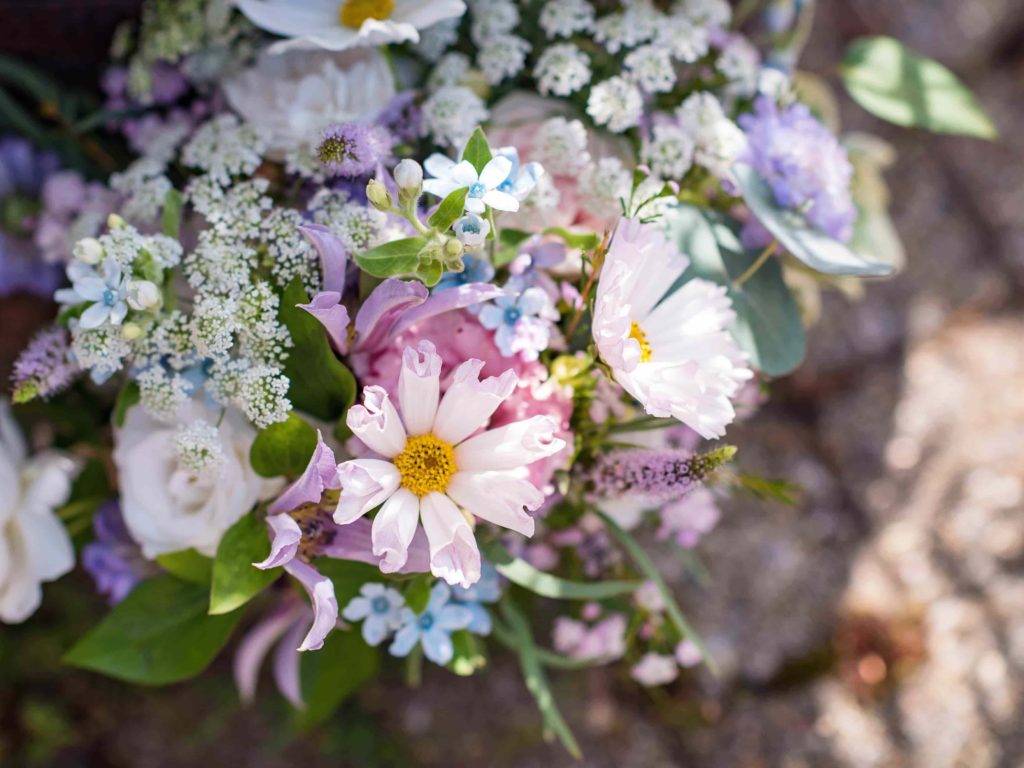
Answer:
(392, 331)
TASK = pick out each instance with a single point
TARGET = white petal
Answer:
(365, 484)
(501, 201)
(439, 166)
(393, 529)
(454, 555)
(440, 187)
(497, 497)
(495, 172)
(464, 174)
(475, 205)
(94, 316)
(290, 19)
(419, 386)
(90, 288)
(511, 446)
(469, 403)
(377, 423)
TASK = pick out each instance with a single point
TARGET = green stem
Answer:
(758, 263)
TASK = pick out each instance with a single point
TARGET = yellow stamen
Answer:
(352, 13)
(636, 332)
(426, 464)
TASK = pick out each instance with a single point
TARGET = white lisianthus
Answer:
(169, 506)
(292, 97)
(34, 546)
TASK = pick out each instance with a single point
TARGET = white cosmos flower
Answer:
(169, 507)
(291, 97)
(34, 546)
(336, 25)
(432, 471)
(675, 357)
(483, 187)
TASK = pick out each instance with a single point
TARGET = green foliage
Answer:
(235, 580)
(127, 397)
(477, 151)
(348, 576)
(544, 584)
(171, 216)
(320, 385)
(509, 241)
(283, 448)
(333, 673)
(449, 211)
(417, 592)
(187, 565)
(892, 82)
(585, 241)
(159, 634)
(399, 257)
(430, 272)
(469, 653)
(768, 325)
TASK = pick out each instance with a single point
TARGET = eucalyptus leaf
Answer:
(235, 579)
(520, 572)
(283, 448)
(898, 85)
(399, 257)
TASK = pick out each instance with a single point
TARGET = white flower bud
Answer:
(409, 176)
(143, 295)
(131, 331)
(472, 230)
(115, 222)
(88, 251)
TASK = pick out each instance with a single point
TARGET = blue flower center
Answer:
(109, 297)
(506, 185)
(380, 605)
(472, 227)
(426, 622)
(476, 189)
(512, 315)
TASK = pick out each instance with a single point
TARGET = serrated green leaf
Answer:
(399, 257)
(477, 151)
(171, 215)
(332, 674)
(319, 384)
(283, 448)
(449, 211)
(898, 85)
(187, 565)
(235, 579)
(544, 584)
(159, 634)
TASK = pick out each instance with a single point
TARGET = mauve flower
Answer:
(113, 559)
(286, 623)
(354, 149)
(655, 669)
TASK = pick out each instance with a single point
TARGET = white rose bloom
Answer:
(34, 546)
(169, 507)
(293, 96)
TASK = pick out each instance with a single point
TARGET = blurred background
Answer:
(878, 623)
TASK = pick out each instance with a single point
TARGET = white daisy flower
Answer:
(672, 353)
(432, 472)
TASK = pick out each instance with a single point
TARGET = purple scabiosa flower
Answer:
(804, 165)
(354, 149)
(114, 560)
(402, 117)
(43, 368)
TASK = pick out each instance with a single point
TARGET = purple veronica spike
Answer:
(446, 301)
(333, 256)
(376, 319)
(320, 474)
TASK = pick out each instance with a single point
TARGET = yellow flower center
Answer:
(426, 464)
(636, 332)
(352, 13)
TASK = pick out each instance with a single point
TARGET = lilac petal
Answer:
(325, 605)
(286, 666)
(254, 647)
(353, 542)
(447, 300)
(333, 316)
(333, 256)
(284, 542)
(383, 307)
(320, 474)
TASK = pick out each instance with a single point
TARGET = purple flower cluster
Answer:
(659, 475)
(43, 368)
(114, 560)
(354, 149)
(803, 163)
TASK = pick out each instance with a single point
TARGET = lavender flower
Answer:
(114, 560)
(804, 165)
(654, 475)
(43, 368)
(354, 149)
(402, 117)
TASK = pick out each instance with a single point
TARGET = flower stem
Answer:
(595, 270)
(758, 263)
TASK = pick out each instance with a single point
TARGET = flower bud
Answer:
(453, 248)
(379, 196)
(88, 251)
(143, 295)
(472, 230)
(409, 176)
(115, 222)
(131, 331)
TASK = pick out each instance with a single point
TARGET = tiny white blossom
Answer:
(263, 395)
(603, 185)
(740, 61)
(669, 151)
(224, 147)
(705, 13)
(451, 69)
(564, 18)
(686, 40)
(627, 29)
(435, 39)
(562, 70)
(502, 57)
(650, 67)
(145, 188)
(359, 227)
(451, 113)
(561, 145)
(199, 448)
(717, 139)
(472, 230)
(214, 325)
(616, 103)
(161, 394)
(100, 350)
(492, 18)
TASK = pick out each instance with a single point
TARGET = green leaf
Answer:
(334, 673)
(348, 576)
(585, 241)
(644, 564)
(536, 681)
(159, 634)
(469, 655)
(417, 593)
(320, 384)
(768, 325)
(544, 584)
(898, 85)
(283, 448)
(810, 245)
(187, 565)
(171, 218)
(399, 257)
(127, 397)
(769, 489)
(449, 210)
(235, 579)
(477, 151)
(29, 79)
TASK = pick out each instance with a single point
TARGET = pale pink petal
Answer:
(376, 422)
(286, 666)
(254, 646)
(284, 542)
(497, 497)
(454, 555)
(468, 403)
(419, 387)
(321, 595)
(445, 301)
(384, 305)
(327, 308)
(333, 256)
(393, 529)
(320, 474)
(511, 446)
(365, 484)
